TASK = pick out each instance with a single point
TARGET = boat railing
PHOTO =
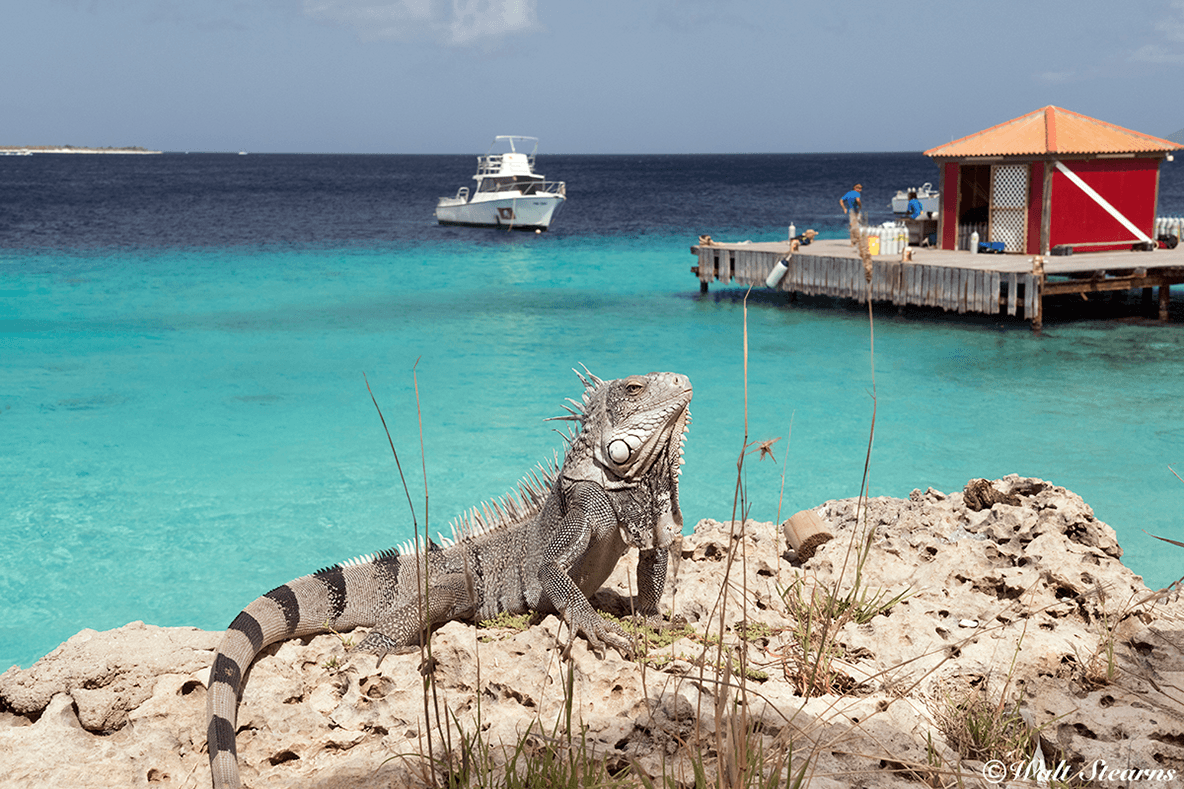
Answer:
(491, 163)
(547, 187)
(527, 188)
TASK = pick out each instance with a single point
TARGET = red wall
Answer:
(1127, 184)
(949, 206)
(1035, 206)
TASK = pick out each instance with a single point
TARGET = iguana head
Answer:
(631, 445)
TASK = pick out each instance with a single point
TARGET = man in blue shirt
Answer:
(850, 201)
(914, 207)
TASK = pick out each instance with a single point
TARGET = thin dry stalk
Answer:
(431, 698)
(398, 465)
(734, 738)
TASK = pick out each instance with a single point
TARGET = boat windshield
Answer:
(515, 183)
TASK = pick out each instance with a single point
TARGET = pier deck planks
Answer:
(953, 281)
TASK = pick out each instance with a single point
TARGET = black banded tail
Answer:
(343, 596)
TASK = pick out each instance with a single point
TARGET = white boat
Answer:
(927, 195)
(508, 192)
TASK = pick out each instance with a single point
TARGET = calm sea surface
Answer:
(184, 421)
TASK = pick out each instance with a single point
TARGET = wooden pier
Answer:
(953, 281)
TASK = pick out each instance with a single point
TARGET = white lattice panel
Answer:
(1009, 200)
(1010, 186)
(1007, 225)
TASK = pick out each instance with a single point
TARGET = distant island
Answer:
(27, 150)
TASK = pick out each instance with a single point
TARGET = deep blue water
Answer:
(185, 423)
(207, 201)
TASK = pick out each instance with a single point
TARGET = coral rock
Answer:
(1012, 587)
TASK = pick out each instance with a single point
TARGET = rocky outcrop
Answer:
(858, 658)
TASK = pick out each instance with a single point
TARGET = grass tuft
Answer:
(983, 728)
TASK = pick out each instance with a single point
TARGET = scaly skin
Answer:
(545, 551)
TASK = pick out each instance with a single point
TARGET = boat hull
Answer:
(533, 212)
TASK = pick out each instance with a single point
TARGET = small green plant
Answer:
(984, 729)
(346, 641)
(935, 772)
(751, 631)
(859, 605)
(1099, 669)
(656, 661)
(506, 621)
(563, 761)
(744, 760)
(648, 637)
(820, 613)
(935, 767)
(749, 671)
(706, 639)
(809, 661)
(861, 608)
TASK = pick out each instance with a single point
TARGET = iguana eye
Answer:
(619, 451)
(634, 388)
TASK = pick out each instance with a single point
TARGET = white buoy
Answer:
(774, 278)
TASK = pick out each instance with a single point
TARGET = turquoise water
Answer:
(185, 430)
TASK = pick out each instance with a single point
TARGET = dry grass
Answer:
(982, 726)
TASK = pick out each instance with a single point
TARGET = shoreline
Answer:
(28, 150)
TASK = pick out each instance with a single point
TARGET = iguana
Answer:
(545, 551)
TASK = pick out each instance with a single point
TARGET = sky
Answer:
(611, 76)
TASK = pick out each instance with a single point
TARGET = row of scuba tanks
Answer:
(1169, 230)
(890, 238)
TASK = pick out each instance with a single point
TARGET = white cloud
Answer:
(1172, 29)
(1158, 53)
(458, 23)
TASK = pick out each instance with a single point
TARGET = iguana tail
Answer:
(342, 597)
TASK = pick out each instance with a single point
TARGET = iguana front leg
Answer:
(588, 519)
(651, 581)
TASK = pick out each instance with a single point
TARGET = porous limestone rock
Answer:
(1027, 600)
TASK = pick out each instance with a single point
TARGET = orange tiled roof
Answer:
(1053, 130)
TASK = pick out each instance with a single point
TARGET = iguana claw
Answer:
(598, 633)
